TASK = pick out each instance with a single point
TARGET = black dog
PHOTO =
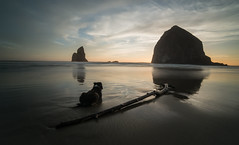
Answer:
(92, 97)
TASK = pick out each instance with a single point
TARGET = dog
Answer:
(92, 97)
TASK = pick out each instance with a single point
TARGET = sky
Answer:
(122, 30)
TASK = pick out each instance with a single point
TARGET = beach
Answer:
(37, 95)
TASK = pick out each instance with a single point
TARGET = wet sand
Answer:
(33, 99)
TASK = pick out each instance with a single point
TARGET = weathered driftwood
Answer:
(156, 93)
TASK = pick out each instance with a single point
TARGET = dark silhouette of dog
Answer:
(92, 97)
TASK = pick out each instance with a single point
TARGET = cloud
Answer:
(142, 25)
(111, 28)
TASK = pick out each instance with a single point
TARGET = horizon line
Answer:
(15, 60)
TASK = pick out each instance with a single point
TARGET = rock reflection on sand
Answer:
(79, 73)
(184, 80)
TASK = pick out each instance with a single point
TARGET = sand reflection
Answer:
(184, 80)
(79, 73)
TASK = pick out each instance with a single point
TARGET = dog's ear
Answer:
(100, 84)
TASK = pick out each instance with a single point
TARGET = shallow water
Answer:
(35, 96)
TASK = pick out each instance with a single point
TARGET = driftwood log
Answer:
(157, 93)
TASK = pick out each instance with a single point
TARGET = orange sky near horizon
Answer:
(122, 30)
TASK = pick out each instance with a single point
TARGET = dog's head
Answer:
(98, 84)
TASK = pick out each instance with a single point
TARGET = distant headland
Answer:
(115, 61)
(178, 46)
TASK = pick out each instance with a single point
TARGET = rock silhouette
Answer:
(80, 55)
(178, 46)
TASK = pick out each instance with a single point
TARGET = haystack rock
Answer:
(178, 46)
(80, 55)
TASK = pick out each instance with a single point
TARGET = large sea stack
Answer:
(80, 55)
(178, 46)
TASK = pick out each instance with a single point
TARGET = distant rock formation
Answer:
(115, 61)
(178, 46)
(80, 55)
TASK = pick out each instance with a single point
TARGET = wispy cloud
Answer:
(126, 29)
(141, 26)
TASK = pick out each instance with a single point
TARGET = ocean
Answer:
(202, 108)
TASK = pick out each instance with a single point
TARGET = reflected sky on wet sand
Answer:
(38, 95)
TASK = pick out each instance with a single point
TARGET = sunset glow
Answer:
(122, 30)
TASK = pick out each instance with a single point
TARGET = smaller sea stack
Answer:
(80, 55)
